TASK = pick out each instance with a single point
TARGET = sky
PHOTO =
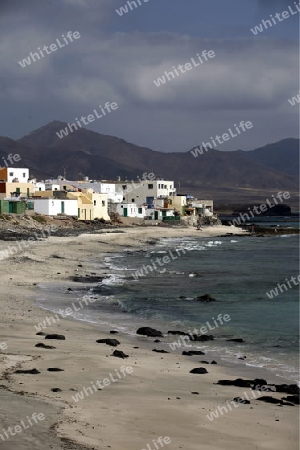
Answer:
(117, 58)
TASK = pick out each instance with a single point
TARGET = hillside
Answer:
(85, 152)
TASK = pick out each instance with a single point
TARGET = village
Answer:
(151, 199)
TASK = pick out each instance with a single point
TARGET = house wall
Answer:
(91, 205)
(138, 192)
(24, 189)
(133, 210)
(52, 187)
(10, 173)
(177, 202)
(52, 206)
(39, 187)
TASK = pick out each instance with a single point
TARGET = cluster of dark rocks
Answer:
(260, 384)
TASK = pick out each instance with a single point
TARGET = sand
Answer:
(154, 400)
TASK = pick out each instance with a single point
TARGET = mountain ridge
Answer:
(99, 156)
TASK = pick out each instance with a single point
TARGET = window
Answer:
(150, 186)
(140, 210)
(124, 187)
(11, 174)
(24, 175)
(94, 202)
(132, 200)
(103, 203)
(123, 199)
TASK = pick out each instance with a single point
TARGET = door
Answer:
(155, 215)
(125, 212)
(62, 207)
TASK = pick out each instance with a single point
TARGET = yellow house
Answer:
(15, 189)
(177, 202)
(91, 205)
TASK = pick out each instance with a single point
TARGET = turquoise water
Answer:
(236, 271)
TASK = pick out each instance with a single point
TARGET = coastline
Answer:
(154, 400)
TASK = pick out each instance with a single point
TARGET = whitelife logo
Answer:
(90, 118)
(244, 126)
(273, 293)
(184, 68)
(53, 47)
(244, 217)
(124, 9)
(267, 23)
(294, 100)
(12, 431)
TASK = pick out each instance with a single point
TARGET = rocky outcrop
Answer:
(111, 342)
(59, 337)
(199, 370)
(150, 332)
(119, 354)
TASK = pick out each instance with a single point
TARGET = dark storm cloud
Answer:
(249, 79)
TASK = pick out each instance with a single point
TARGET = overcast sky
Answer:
(117, 58)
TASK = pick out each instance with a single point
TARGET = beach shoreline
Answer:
(138, 408)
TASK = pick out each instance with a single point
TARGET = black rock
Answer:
(28, 371)
(55, 369)
(193, 353)
(292, 399)
(205, 298)
(69, 289)
(60, 337)
(195, 393)
(41, 333)
(41, 345)
(114, 332)
(202, 337)
(56, 390)
(159, 351)
(243, 383)
(268, 399)
(239, 340)
(241, 400)
(119, 354)
(204, 362)
(214, 362)
(150, 332)
(111, 342)
(156, 341)
(199, 370)
(287, 388)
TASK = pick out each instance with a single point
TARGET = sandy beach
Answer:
(147, 396)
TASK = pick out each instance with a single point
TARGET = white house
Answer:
(52, 186)
(130, 210)
(145, 191)
(17, 175)
(39, 187)
(159, 213)
(54, 206)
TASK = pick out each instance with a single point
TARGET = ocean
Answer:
(236, 271)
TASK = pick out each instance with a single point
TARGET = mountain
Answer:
(276, 156)
(99, 156)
